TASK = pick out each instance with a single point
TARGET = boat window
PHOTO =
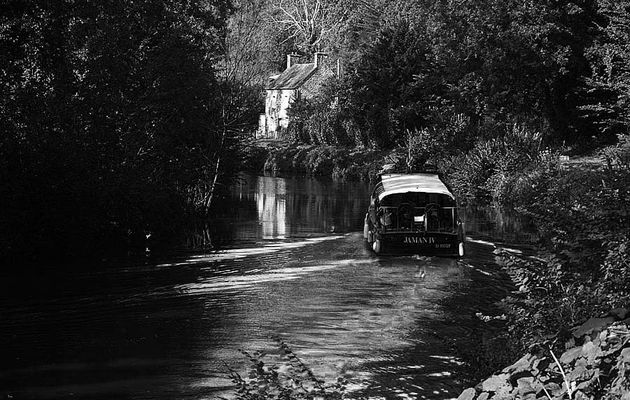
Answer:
(418, 199)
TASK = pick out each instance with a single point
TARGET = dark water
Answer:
(293, 268)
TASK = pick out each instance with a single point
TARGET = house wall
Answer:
(277, 104)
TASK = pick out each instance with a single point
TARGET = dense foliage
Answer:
(582, 267)
(558, 68)
(115, 119)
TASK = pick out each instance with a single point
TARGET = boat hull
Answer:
(438, 243)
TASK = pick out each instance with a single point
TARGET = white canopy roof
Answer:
(403, 183)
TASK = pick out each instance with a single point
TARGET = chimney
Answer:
(292, 58)
(319, 58)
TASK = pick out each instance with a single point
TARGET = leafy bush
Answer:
(550, 298)
(499, 168)
(618, 156)
(615, 270)
(253, 156)
(319, 161)
(336, 162)
(584, 270)
(413, 154)
(320, 121)
(281, 159)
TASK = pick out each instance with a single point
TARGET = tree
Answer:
(309, 24)
(393, 85)
(249, 58)
(609, 57)
(111, 117)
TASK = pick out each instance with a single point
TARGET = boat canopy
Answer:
(405, 183)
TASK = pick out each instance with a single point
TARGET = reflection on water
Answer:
(265, 207)
(297, 207)
(271, 202)
(499, 225)
(294, 267)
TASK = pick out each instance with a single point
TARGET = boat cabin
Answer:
(413, 212)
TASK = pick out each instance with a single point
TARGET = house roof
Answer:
(403, 183)
(293, 77)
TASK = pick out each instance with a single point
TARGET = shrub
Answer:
(615, 270)
(280, 159)
(499, 168)
(618, 156)
(336, 162)
(584, 269)
(253, 156)
(319, 161)
(550, 298)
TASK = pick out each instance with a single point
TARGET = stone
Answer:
(587, 347)
(581, 363)
(591, 352)
(624, 356)
(525, 386)
(495, 382)
(583, 385)
(523, 374)
(580, 396)
(594, 381)
(616, 341)
(523, 364)
(596, 341)
(593, 325)
(555, 389)
(468, 394)
(569, 356)
(504, 391)
(579, 374)
(483, 396)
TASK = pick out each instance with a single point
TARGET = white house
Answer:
(297, 81)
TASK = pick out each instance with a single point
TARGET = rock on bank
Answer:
(596, 365)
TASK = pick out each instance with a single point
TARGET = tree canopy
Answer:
(559, 67)
(112, 117)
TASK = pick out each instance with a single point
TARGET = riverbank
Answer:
(595, 365)
(501, 169)
(339, 163)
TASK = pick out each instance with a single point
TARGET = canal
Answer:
(292, 268)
